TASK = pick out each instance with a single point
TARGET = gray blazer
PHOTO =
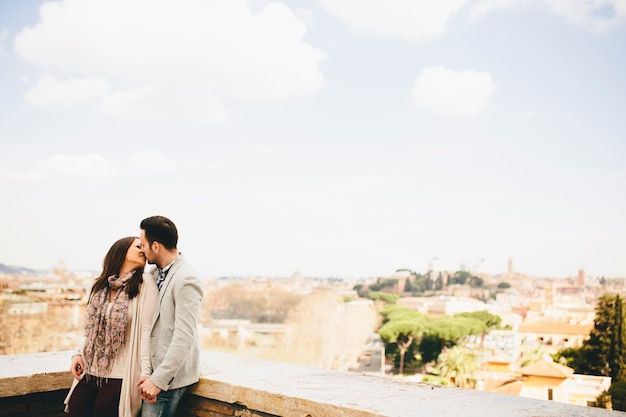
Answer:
(174, 340)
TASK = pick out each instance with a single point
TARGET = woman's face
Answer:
(135, 256)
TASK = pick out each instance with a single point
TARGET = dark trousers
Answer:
(95, 397)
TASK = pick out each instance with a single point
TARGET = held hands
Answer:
(78, 366)
(147, 390)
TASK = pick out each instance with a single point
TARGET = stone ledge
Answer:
(288, 390)
(31, 373)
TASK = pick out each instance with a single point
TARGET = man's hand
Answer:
(147, 390)
(78, 366)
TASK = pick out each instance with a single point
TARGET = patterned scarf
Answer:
(105, 329)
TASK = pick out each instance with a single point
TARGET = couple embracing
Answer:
(141, 348)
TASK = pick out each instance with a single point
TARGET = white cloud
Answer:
(439, 91)
(21, 175)
(84, 167)
(80, 166)
(528, 114)
(147, 102)
(483, 7)
(306, 15)
(619, 173)
(348, 185)
(199, 167)
(179, 59)
(152, 162)
(4, 35)
(406, 19)
(594, 15)
(257, 148)
(92, 166)
(50, 92)
(437, 151)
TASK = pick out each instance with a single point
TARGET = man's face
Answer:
(146, 248)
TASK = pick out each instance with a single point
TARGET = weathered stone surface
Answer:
(291, 390)
(254, 387)
(41, 372)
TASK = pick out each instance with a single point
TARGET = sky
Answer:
(345, 138)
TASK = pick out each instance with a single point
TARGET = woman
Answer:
(115, 353)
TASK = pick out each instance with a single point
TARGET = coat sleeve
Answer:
(147, 315)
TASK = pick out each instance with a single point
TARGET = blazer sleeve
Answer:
(187, 293)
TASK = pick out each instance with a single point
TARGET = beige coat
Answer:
(142, 310)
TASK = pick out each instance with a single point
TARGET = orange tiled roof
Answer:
(556, 327)
(511, 387)
(547, 368)
(511, 384)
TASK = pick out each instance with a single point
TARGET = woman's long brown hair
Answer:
(112, 264)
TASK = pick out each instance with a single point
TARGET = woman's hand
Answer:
(78, 366)
(147, 390)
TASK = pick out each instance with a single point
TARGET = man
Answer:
(174, 341)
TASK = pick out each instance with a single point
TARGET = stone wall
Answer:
(41, 404)
(50, 404)
(35, 385)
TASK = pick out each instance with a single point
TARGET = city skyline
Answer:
(434, 266)
(330, 138)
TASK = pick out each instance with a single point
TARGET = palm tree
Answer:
(458, 364)
(531, 355)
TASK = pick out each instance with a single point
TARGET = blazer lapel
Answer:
(170, 273)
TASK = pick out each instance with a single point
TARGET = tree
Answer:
(457, 364)
(446, 332)
(412, 273)
(531, 355)
(615, 356)
(569, 357)
(408, 285)
(604, 353)
(419, 284)
(401, 327)
(491, 321)
(476, 282)
(460, 277)
(380, 284)
(439, 282)
(430, 348)
(428, 281)
(618, 395)
(383, 296)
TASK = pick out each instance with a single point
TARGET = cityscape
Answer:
(424, 193)
(334, 324)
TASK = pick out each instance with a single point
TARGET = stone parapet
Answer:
(239, 386)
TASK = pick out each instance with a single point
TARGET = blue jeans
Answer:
(165, 405)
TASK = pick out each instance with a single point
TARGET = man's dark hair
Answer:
(160, 229)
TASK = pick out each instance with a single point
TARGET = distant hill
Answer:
(6, 269)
